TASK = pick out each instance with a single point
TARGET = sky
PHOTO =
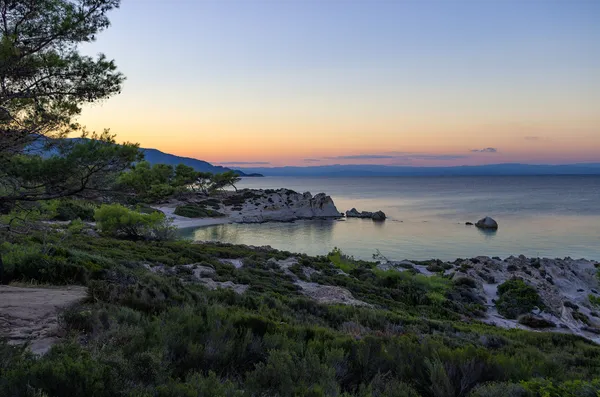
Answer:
(315, 82)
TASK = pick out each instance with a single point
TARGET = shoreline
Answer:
(182, 222)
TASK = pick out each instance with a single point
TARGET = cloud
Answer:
(245, 162)
(362, 157)
(311, 160)
(435, 156)
(532, 138)
(486, 150)
(401, 157)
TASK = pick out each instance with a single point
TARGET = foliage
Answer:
(152, 183)
(161, 334)
(535, 322)
(227, 178)
(516, 298)
(341, 261)
(119, 221)
(45, 82)
(69, 210)
(550, 388)
(196, 211)
(594, 300)
(499, 389)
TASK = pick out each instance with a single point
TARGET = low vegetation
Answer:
(153, 334)
(151, 327)
(119, 221)
(515, 297)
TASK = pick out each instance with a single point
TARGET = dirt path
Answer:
(30, 314)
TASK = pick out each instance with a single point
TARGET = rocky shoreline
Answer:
(259, 206)
(568, 289)
(256, 206)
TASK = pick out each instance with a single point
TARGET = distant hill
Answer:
(155, 156)
(383, 170)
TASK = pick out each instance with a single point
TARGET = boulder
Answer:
(487, 223)
(376, 216)
(353, 213)
(469, 223)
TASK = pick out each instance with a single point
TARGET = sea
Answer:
(538, 216)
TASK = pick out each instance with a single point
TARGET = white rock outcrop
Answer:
(281, 205)
(568, 288)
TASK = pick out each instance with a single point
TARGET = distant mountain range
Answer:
(385, 170)
(155, 156)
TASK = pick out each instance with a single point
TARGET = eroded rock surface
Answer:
(281, 205)
(326, 294)
(30, 315)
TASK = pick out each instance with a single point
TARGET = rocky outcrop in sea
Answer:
(282, 205)
(376, 216)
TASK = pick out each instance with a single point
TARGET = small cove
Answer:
(547, 216)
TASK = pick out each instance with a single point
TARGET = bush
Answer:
(499, 389)
(516, 298)
(45, 265)
(535, 322)
(118, 221)
(69, 210)
(549, 388)
(196, 211)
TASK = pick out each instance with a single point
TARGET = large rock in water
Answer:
(282, 205)
(487, 223)
(376, 216)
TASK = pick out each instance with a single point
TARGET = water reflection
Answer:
(293, 235)
(538, 216)
(416, 240)
(488, 234)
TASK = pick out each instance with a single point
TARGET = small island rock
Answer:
(376, 216)
(487, 223)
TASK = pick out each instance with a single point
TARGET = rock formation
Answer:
(281, 205)
(568, 289)
(487, 223)
(376, 216)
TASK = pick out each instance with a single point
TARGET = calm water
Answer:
(552, 216)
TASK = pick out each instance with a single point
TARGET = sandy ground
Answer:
(31, 314)
(182, 222)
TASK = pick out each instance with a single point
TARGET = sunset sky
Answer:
(312, 82)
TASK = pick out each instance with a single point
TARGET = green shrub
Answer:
(119, 221)
(535, 322)
(550, 388)
(196, 211)
(594, 300)
(516, 298)
(341, 260)
(499, 389)
(69, 210)
(160, 192)
(43, 264)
